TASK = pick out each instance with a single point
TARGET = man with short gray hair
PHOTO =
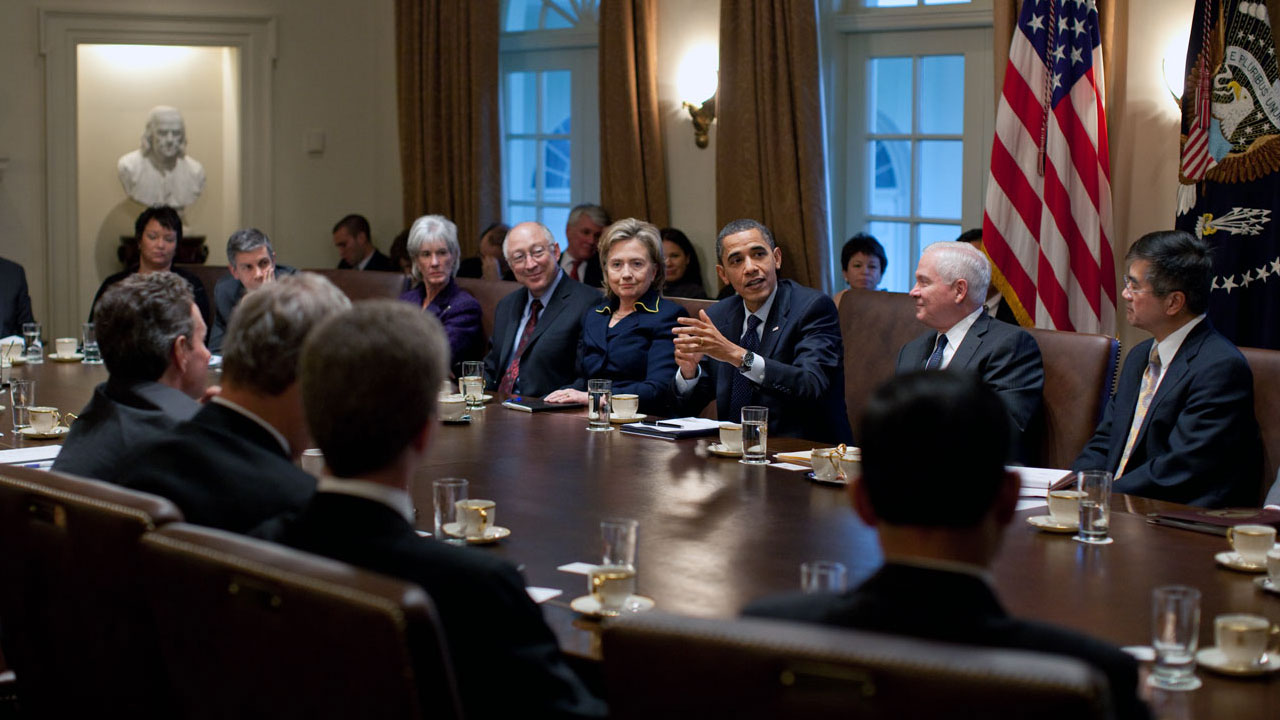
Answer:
(581, 258)
(151, 335)
(951, 287)
(230, 466)
(252, 262)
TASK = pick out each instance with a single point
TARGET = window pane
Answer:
(559, 14)
(896, 239)
(522, 102)
(942, 94)
(556, 184)
(941, 177)
(889, 177)
(889, 92)
(517, 214)
(521, 159)
(557, 101)
(521, 15)
(891, 3)
(946, 2)
(931, 233)
(555, 218)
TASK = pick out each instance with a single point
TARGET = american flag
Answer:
(1047, 223)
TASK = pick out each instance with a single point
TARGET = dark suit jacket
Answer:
(378, 262)
(197, 291)
(637, 354)
(1006, 358)
(1199, 440)
(460, 314)
(15, 302)
(953, 607)
(591, 273)
(804, 371)
(119, 417)
(505, 657)
(549, 358)
(226, 295)
(222, 469)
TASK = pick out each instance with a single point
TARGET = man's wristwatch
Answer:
(748, 359)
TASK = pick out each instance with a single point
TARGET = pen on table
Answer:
(659, 423)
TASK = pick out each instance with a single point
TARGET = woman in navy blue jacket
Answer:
(627, 338)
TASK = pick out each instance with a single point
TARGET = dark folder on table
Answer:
(533, 404)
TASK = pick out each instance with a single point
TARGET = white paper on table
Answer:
(788, 466)
(799, 457)
(29, 454)
(423, 533)
(578, 568)
(685, 423)
(541, 594)
(1031, 503)
(1036, 481)
(1141, 653)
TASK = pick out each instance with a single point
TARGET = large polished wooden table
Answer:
(715, 534)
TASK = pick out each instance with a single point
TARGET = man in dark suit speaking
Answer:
(534, 346)
(370, 379)
(940, 515)
(1180, 426)
(774, 343)
(951, 286)
(15, 302)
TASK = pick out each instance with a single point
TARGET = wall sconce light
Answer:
(1173, 65)
(697, 79)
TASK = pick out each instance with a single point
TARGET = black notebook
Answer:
(533, 404)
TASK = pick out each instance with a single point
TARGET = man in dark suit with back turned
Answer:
(1180, 426)
(231, 466)
(951, 284)
(546, 339)
(370, 379)
(773, 343)
(940, 515)
(15, 302)
(351, 235)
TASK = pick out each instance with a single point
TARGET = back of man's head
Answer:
(370, 380)
(138, 319)
(264, 337)
(934, 445)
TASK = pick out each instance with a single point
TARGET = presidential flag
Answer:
(1047, 225)
(1229, 187)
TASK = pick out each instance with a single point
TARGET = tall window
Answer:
(550, 127)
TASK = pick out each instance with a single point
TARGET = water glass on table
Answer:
(613, 581)
(1095, 506)
(818, 576)
(1175, 634)
(35, 349)
(22, 395)
(471, 384)
(599, 405)
(445, 493)
(89, 338)
(755, 435)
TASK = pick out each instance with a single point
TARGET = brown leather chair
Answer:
(209, 276)
(488, 292)
(669, 666)
(875, 325)
(1079, 375)
(692, 305)
(251, 629)
(365, 284)
(1265, 365)
(71, 611)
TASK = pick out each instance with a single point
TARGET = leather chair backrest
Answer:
(71, 610)
(1265, 365)
(252, 629)
(488, 292)
(365, 284)
(209, 276)
(1079, 374)
(875, 325)
(669, 666)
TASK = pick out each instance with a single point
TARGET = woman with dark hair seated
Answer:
(158, 231)
(862, 262)
(627, 338)
(684, 272)
(433, 245)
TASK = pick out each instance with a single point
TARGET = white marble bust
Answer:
(161, 172)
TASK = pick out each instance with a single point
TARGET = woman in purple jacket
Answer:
(433, 248)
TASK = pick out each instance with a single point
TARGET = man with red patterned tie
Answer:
(581, 259)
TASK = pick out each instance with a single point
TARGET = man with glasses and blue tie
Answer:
(951, 287)
(1180, 426)
(534, 348)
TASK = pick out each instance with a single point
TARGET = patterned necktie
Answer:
(1145, 393)
(935, 360)
(573, 270)
(740, 392)
(508, 383)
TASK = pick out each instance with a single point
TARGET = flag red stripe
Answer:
(1058, 200)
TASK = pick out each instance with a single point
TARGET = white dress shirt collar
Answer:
(955, 334)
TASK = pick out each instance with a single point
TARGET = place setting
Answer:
(1064, 512)
(45, 423)
(1245, 645)
(65, 350)
(835, 466)
(453, 409)
(611, 585)
(625, 408)
(730, 444)
(1250, 547)
(460, 520)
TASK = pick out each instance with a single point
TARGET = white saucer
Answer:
(57, 432)
(73, 357)
(624, 419)
(1231, 559)
(492, 535)
(837, 480)
(589, 606)
(1265, 583)
(723, 450)
(1212, 658)
(1048, 524)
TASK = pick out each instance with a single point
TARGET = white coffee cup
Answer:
(851, 464)
(731, 436)
(1244, 640)
(1252, 542)
(1273, 566)
(626, 405)
(66, 346)
(826, 463)
(44, 419)
(453, 407)
(1064, 506)
(313, 461)
(475, 516)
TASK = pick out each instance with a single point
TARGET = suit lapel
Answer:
(777, 320)
(511, 328)
(971, 342)
(1178, 368)
(559, 300)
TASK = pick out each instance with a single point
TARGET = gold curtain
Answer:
(633, 171)
(769, 160)
(447, 94)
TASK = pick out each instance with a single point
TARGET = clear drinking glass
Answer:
(35, 349)
(818, 576)
(613, 582)
(1175, 634)
(22, 395)
(755, 435)
(89, 338)
(446, 492)
(599, 405)
(471, 384)
(1095, 506)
